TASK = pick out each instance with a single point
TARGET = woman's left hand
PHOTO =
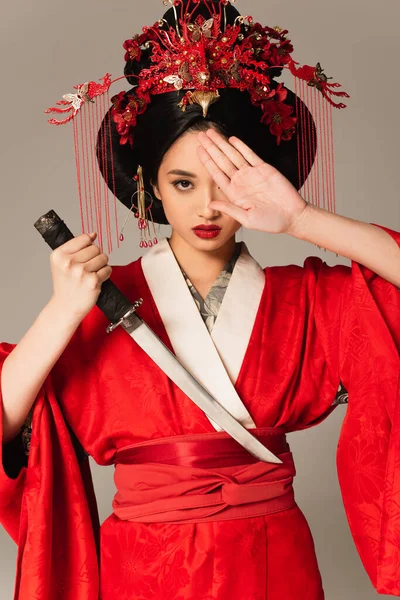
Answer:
(257, 195)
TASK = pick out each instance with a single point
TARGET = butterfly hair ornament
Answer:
(197, 50)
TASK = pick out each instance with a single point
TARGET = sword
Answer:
(121, 312)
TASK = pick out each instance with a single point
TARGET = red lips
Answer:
(207, 228)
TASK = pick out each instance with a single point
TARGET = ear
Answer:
(156, 191)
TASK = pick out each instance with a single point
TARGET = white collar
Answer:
(214, 359)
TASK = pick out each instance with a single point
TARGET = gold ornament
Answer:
(203, 98)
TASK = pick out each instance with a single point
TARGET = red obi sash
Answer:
(202, 477)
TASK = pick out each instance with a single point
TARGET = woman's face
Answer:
(186, 189)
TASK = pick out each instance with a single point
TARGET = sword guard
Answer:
(130, 312)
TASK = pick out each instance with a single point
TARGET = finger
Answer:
(218, 176)
(77, 243)
(234, 155)
(223, 162)
(238, 214)
(86, 254)
(97, 263)
(251, 157)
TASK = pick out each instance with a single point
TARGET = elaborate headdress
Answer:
(196, 51)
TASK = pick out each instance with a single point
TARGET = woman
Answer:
(273, 345)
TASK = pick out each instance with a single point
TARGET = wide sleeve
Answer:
(368, 454)
(48, 507)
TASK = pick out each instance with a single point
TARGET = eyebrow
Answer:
(182, 173)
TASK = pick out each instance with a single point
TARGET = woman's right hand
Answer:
(78, 269)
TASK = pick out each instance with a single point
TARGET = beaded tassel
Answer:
(140, 214)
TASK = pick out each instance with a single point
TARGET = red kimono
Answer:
(285, 338)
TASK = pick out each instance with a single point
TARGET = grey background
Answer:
(48, 46)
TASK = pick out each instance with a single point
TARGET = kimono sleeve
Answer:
(47, 506)
(368, 453)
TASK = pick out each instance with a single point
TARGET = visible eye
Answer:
(184, 183)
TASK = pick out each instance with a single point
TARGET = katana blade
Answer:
(121, 312)
(173, 368)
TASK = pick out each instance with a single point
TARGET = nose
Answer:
(204, 209)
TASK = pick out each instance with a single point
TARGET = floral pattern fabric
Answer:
(209, 307)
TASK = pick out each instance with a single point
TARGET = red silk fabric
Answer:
(316, 325)
(205, 477)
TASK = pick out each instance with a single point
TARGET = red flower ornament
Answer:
(132, 47)
(278, 116)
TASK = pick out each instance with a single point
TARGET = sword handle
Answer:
(111, 301)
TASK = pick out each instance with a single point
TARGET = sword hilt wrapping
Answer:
(55, 232)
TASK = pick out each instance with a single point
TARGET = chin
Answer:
(210, 244)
